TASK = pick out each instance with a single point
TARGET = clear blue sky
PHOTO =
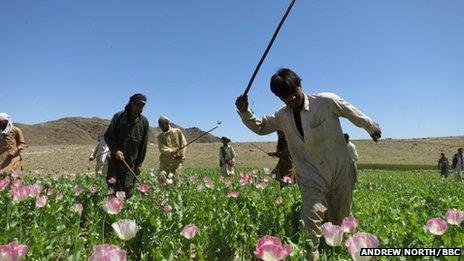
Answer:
(400, 62)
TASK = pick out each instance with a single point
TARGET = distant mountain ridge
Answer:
(80, 130)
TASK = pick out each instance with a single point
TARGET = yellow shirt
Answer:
(13, 140)
(168, 142)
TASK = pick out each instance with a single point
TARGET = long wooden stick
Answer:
(133, 173)
(261, 149)
(219, 123)
(268, 48)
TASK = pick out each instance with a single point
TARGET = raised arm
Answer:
(344, 109)
(260, 126)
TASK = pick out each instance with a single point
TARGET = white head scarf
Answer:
(9, 126)
(164, 118)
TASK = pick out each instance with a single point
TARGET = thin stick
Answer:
(219, 123)
(261, 149)
(133, 173)
(268, 48)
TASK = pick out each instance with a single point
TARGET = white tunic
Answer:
(352, 152)
(322, 155)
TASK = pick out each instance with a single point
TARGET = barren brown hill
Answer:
(79, 131)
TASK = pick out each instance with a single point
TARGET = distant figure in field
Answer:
(100, 154)
(127, 139)
(226, 157)
(285, 169)
(443, 165)
(172, 155)
(457, 165)
(11, 143)
(326, 174)
(351, 149)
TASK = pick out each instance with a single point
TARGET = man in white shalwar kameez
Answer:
(325, 172)
(226, 157)
(100, 154)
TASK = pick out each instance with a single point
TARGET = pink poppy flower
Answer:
(454, 216)
(34, 190)
(333, 234)
(17, 182)
(189, 231)
(244, 180)
(112, 180)
(144, 187)
(288, 179)
(167, 208)
(40, 202)
(233, 194)
(208, 183)
(437, 226)
(192, 178)
(267, 178)
(19, 193)
(72, 177)
(125, 229)
(93, 189)
(121, 195)
(107, 253)
(270, 248)
(349, 224)
(4, 183)
(59, 196)
(114, 205)
(262, 185)
(56, 176)
(78, 208)
(267, 171)
(279, 200)
(13, 251)
(49, 191)
(358, 241)
(77, 190)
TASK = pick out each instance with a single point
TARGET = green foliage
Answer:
(392, 205)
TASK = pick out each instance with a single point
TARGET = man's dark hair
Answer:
(347, 137)
(442, 154)
(285, 82)
(135, 97)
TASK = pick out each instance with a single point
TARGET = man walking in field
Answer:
(227, 157)
(443, 165)
(100, 154)
(127, 138)
(457, 165)
(351, 149)
(285, 169)
(171, 142)
(326, 174)
(11, 143)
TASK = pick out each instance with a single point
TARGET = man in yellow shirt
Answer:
(172, 154)
(11, 143)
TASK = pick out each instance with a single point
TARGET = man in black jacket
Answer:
(127, 138)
